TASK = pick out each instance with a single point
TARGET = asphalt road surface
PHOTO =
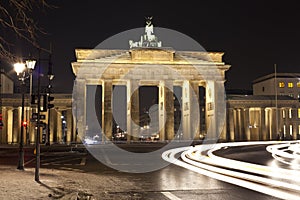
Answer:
(168, 182)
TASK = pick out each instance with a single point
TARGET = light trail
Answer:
(213, 166)
(287, 153)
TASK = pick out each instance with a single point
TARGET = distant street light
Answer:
(20, 69)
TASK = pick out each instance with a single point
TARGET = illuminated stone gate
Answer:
(146, 63)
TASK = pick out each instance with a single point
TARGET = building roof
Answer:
(238, 92)
(278, 75)
(257, 97)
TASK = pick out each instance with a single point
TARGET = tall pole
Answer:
(37, 143)
(50, 77)
(276, 101)
(21, 149)
(30, 96)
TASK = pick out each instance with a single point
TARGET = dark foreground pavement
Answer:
(70, 172)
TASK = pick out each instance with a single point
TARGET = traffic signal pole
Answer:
(49, 99)
(37, 142)
(21, 149)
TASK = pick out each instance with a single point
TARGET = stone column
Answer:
(59, 127)
(273, 132)
(16, 125)
(79, 102)
(162, 118)
(231, 124)
(235, 125)
(133, 111)
(169, 106)
(263, 132)
(166, 110)
(3, 131)
(280, 122)
(195, 112)
(69, 125)
(216, 109)
(286, 122)
(10, 124)
(239, 124)
(246, 124)
(294, 122)
(106, 110)
(53, 126)
(186, 110)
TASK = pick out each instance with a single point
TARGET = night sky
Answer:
(253, 34)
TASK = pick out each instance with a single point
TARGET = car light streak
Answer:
(287, 153)
(250, 167)
(193, 159)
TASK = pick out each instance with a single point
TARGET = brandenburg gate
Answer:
(147, 63)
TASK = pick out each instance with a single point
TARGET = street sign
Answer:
(35, 115)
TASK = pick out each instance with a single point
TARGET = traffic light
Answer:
(50, 105)
(47, 102)
(25, 124)
(1, 122)
(44, 136)
(33, 99)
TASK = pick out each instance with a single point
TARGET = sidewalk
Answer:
(68, 184)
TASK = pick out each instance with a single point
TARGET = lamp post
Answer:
(20, 69)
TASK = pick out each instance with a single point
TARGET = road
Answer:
(168, 182)
(254, 165)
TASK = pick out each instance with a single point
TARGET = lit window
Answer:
(283, 114)
(281, 84)
(298, 84)
(290, 85)
(290, 113)
(291, 130)
(299, 113)
(299, 129)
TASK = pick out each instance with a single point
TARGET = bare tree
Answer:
(17, 18)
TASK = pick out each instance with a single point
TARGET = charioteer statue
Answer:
(148, 39)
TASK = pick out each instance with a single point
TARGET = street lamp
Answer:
(20, 69)
(30, 65)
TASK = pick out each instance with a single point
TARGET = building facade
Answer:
(6, 83)
(280, 83)
(248, 118)
(62, 127)
(259, 117)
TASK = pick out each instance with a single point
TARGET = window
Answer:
(290, 85)
(299, 113)
(290, 113)
(291, 130)
(283, 114)
(281, 84)
(263, 89)
(298, 84)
